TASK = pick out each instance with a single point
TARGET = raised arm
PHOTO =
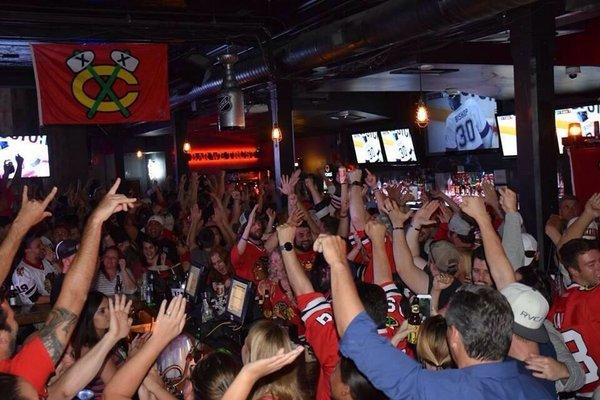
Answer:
(358, 213)
(86, 368)
(31, 213)
(416, 279)
(498, 264)
(512, 241)
(298, 280)
(577, 228)
(169, 323)
(421, 218)
(315, 194)
(381, 265)
(241, 246)
(344, 226)
(59, 325)
(346, 303)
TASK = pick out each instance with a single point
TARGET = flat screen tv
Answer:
(398, 146)
(33, 149)
(587, 117)
(367, 147)
(461, 122)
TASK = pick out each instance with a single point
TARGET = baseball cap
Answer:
(530, 245)
(529, 309)
(156, 218)
(66, 248)
(445, 256)
(459, 225)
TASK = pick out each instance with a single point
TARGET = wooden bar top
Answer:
(32, 314)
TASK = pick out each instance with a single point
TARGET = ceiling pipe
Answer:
(389, 23)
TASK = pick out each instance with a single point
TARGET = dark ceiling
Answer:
(198, 31)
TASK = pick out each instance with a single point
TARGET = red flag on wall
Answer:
(101, 83)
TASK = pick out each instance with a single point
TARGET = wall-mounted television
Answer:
(398, 145)
(587, 117)
(367, 147)
(33, 149)
(461, 122)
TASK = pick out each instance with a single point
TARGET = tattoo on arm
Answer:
(56, 331)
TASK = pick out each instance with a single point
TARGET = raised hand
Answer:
(375, 230)
(286, 233)
(371, 179)
(120, 323)
(442, 281)
(195, 213)
(333, 249)
(508, 200)
(252, 215)
(113, 203)
(296, 217)
(423, 214)
(271, 214)
(261, 368)
(170, 320)
(489, 193)
(445, 213)
(122, 264)
(309, 182)
(354, 176)
(19, 159)
(236, 195)
(136, 344)
(475, 207)
(33, 212)
(592, 206)
(396, 215)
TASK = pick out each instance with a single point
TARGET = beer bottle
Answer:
(414, 321)
(118, 285)
(267, 306)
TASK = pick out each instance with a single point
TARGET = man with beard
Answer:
(303, 243)
(34, 275)
(250, 253)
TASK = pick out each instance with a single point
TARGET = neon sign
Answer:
(223, 156)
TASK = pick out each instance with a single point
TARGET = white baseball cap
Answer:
(156, 218)
(530, 246)
(529, 309)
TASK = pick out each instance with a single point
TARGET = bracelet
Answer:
(397, 228)
(415, 228)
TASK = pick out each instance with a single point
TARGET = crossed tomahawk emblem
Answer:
(81, 63)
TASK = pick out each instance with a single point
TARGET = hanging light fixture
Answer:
(139, 154)
(230, 100)
(276, 134)
(422, 117)
(187, 147)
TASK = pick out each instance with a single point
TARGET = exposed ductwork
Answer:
(393, 22)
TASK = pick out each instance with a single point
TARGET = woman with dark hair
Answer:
(151, 255)
(113, 273)
(91, 328)
(214, 374)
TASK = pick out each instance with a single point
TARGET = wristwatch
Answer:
(287, 246)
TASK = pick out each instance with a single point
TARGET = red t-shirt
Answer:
(244, 264)
(32, 363)
(576, 315)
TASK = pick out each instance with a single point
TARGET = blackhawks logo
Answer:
(107, 101)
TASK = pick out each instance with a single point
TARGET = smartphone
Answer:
(424, 305)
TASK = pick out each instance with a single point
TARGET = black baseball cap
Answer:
(66, 248)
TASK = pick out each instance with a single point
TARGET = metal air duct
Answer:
(392, 22)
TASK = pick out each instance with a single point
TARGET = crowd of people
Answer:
(358, 296)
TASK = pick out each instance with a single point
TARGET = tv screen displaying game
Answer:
(398, 145)
(367, 147)
(461, 122)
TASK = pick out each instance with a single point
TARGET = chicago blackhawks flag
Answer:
(101, 83)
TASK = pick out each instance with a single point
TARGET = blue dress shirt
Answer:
(400, 377)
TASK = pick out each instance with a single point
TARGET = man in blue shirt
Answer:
(479, 333)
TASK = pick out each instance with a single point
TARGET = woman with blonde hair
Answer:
(432, 347)
(268, 340)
